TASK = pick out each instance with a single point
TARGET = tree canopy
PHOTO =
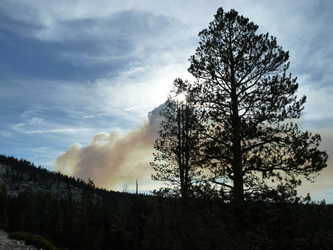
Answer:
(249, 100)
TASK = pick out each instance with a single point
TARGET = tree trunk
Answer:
(238, 195)
(180, 153)
(238, 190)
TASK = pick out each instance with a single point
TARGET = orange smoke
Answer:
(112, 160)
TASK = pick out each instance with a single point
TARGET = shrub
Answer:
(32, 239)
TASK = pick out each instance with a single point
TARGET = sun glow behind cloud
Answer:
(181, 98)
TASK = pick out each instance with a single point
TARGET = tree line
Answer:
(130, 221)
(133, 221)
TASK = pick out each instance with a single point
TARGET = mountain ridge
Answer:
(19, 176)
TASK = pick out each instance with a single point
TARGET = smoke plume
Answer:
(112, 160)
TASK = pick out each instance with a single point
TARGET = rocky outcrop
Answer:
(16, 182)
(9, 244)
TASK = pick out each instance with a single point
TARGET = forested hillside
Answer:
(69, 212)
(116, 220)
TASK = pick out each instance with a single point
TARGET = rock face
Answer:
(16, 181)
(9, 244)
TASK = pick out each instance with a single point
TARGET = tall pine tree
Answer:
(176, 160)
(249, 101)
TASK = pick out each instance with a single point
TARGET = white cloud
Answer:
(37, 125)
(6, 134)
(60, 130)
(40, 149)
(95, 115)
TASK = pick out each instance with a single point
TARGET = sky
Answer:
(81, 82)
